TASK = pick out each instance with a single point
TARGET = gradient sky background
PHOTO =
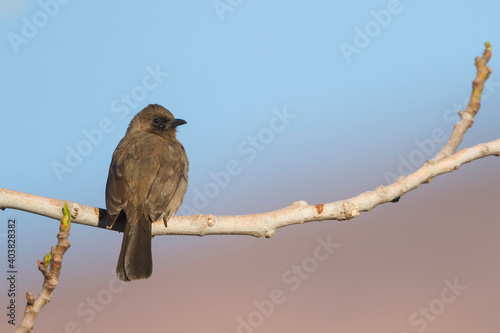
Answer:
(353, 120)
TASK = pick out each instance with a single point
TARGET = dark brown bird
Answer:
(147, 181)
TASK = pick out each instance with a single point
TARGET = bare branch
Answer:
(467, 116)
(50, 267)
(266, 224)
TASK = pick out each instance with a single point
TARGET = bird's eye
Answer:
(156, 121)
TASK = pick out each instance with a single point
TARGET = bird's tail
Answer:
(135, 261)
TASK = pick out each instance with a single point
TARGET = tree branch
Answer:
(50, 267)
(266, 224)
(467, 116)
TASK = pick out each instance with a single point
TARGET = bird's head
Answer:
(156, 119)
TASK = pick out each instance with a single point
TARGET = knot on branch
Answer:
(206, 220)
(349, 211)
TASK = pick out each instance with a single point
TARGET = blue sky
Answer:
(74, 74)
(225, 71)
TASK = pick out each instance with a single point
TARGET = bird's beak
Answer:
(177, 122)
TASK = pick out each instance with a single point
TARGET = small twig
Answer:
(467, 116)
(50, 267)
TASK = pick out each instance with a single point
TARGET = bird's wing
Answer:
(167, 190)
(115, 188)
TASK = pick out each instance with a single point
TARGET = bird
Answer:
(147, 181)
